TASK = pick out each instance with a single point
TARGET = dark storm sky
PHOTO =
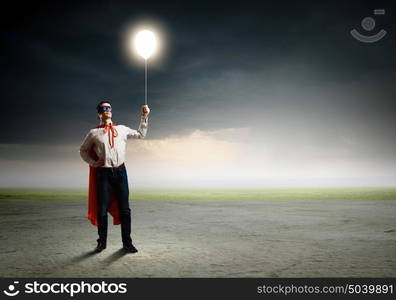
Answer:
(290, 72)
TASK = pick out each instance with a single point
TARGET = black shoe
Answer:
(130, 248)
(101, 246)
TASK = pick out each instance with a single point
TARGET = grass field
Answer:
(211, 194)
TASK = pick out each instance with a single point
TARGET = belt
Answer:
(114, 168)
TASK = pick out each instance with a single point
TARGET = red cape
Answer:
(93, 201)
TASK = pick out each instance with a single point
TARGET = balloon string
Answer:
(145, 81)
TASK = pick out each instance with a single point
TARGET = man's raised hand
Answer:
(145, 110)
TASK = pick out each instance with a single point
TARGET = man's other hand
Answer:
(145, 110)
(98, 163)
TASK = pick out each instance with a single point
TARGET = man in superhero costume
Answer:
(104, 150)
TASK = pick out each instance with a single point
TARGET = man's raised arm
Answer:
(141, 132)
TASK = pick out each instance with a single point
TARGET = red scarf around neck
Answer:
(112, 132)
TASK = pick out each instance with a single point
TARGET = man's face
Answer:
(105, 111)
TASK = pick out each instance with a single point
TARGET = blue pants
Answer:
(110, 180)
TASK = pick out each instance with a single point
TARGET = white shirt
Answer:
(112, 156)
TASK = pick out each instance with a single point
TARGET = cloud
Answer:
(227, 157)
(197, 148)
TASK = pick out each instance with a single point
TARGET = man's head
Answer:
(104, 110)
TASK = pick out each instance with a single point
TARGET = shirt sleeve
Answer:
(85, 147)
(141, 132)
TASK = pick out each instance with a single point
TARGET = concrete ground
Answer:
(301, 238)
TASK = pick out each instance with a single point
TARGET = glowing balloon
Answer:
(145, 43)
